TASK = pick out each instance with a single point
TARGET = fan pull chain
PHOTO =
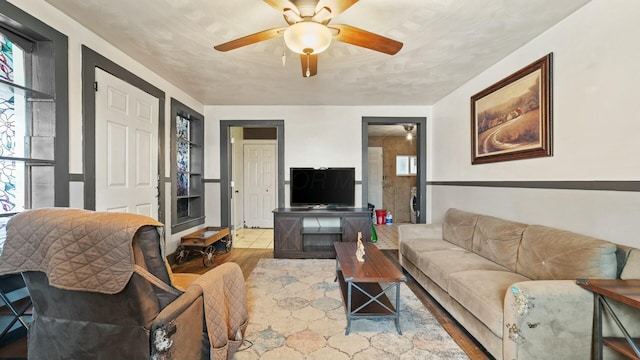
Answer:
(284, 53)
(308, 69)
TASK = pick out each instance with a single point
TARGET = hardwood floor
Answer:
(14, 350)
(247, 259)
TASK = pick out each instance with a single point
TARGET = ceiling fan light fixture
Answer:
(409, 128)
(305, 35)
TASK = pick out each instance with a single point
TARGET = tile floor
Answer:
(254, 238)
(387, 236)
(263, 238)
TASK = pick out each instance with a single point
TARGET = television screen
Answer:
(329, 187)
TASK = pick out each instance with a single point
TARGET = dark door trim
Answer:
(421, 143)
(90, 61)
(225, 162)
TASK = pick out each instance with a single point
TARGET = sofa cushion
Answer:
(498, 240)
(482, 293)
(412, 248)
(552, 254)
(458, 227)
(439, 265)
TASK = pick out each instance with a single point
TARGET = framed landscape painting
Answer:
(512, 119)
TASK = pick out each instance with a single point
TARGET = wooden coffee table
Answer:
(368, 300)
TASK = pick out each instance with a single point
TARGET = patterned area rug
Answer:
(296, 312)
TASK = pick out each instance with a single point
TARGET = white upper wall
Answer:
(595, 130)
(595, 85)
(315, 136)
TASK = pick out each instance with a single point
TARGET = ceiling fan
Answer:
(309, 32)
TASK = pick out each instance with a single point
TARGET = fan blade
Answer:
(337, 6)
(250, 39)
(291, 17)
(280, 5)
(309, 62)
(354, 36)
(323, 15)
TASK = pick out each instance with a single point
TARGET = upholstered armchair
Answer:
(101, 290)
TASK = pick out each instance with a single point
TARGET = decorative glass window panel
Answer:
(7, 122)
(6, 59)
(182, 156)
(182, 128)
(182, 210)
(183, 184)
(12, 186)
(12, 129)
(11, 62)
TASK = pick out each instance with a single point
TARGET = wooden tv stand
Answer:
(310, 233)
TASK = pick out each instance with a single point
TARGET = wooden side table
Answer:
(202, 242)
(624, 291)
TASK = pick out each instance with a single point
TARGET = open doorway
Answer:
(394, 166)
(251, 173)
(253, 176)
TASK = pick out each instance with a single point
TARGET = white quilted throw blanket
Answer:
(78, 249)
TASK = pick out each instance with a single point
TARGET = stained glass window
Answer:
(182, 155)
(183, 184)
(187, 129)
(182, 128)
(33, 166)
(6, 59)
(12, 128)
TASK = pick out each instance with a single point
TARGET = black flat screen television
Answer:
(329, 187)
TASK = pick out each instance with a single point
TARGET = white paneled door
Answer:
(126, 147)
(375, 175)
(259, 184)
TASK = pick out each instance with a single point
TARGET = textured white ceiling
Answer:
(446, 43)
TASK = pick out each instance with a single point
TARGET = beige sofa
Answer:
(512, 285)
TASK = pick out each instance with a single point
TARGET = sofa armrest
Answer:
(547, 319)
(178, 330)
(177, 307)
(419, 231)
